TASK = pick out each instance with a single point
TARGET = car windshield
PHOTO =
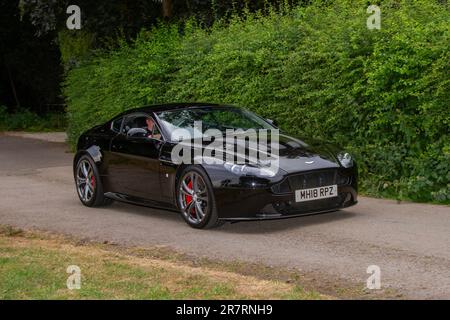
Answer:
(220, 118)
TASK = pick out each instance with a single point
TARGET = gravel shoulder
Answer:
(60, 137)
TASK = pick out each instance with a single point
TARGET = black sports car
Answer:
(131, 159)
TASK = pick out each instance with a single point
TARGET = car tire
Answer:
(88, 183)
(197, 203)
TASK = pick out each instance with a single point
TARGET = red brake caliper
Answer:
(93, 182)
(188, 199)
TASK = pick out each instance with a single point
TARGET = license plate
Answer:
(316, 193)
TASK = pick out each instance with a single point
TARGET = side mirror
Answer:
(272, 122)
(137, 133)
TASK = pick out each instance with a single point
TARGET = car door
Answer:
(133, 166)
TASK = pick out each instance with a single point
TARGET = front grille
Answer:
(294, 208)
(316, 205)
(312, 179)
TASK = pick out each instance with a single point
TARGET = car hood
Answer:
(295, 153)
(300, 154)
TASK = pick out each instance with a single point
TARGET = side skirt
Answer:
(141, 202)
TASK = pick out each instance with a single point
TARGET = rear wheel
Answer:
(196, 199)
(88, 183)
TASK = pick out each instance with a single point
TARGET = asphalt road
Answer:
(409, 242)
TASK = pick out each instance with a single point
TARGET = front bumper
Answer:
(263, 204)
(277, 200)
(260, 217)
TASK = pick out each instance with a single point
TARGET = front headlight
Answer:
(251, 170)
(345, 159)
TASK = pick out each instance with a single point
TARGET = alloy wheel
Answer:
(193, 197)
(85, 181)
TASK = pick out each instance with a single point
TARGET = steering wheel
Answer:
(137, 133)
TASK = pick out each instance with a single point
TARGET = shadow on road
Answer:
(245, 227)
(273, 226)
(125, 208)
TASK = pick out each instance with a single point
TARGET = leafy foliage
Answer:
(74, 46)
(26, 120)
(382, 94)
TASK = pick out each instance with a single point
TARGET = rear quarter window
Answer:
(116, 125)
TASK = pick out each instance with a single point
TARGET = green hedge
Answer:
(26, 120)
(318, 70)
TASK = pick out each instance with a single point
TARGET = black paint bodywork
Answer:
(140, 171)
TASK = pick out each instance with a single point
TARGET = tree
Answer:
(28, 75)
(167, 8)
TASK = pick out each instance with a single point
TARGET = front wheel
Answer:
(196, 199)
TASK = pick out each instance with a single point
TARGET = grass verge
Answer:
(33, 266)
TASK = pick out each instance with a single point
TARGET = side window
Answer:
(116, 125)
(135, 126)
(141, 126)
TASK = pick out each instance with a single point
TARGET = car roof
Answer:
(172, 106)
